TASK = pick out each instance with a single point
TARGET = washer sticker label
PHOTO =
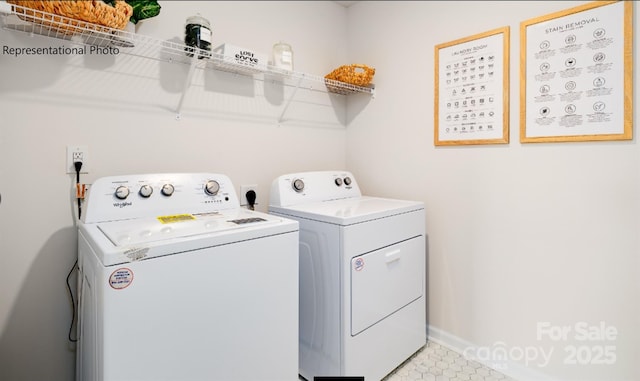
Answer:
(136, 253)
(121, 278)
(358, 264)
(176, 218)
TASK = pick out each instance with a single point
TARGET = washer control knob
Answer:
(211, 187)
(338, 181)
(167, 190)
(298, 185)
(145, 191)
(347, 181)
(122, 192)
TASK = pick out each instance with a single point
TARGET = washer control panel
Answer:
(152, 195)
(304, 187)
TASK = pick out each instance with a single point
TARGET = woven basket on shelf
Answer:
(92, 12)
(355, 74)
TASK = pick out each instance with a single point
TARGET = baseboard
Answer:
(512, 369)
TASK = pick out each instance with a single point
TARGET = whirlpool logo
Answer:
(121, 204)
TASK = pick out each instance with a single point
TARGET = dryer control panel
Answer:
(152, 195)
(305, 187)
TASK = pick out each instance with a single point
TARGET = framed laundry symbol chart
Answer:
(576, 74)
(472, 90)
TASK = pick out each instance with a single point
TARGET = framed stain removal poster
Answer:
(576, 74)
(472, 90)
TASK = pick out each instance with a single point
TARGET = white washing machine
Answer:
(362, 275)
(177, 282)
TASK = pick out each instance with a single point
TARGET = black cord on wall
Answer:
(73, 304)
(78, 166)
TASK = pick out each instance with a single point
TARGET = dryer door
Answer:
(384, 281)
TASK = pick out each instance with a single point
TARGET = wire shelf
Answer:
(22, 19)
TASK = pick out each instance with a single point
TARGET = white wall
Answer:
(123, 109)
(519, 234)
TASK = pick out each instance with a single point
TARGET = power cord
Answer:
(79, 194)
(78, 166)
(73, 303)
(251, 199)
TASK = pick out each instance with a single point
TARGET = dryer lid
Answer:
(351, 210)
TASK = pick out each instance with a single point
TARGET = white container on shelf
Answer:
(283, 56)
(240, 59)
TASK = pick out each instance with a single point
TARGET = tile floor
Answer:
(435, 362)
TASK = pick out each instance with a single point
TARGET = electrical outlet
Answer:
(77, 153)
(243, 193)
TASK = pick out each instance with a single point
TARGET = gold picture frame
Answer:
(472, 90)
(576, 74)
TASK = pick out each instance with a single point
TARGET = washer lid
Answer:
(148, 230)
(350, 210)
(119, 242)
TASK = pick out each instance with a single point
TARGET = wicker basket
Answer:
(93, 12)
(356, 74)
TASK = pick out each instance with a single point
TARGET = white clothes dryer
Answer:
(177, 282)
(362, 275)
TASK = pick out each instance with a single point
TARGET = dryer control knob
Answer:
(211, 187)
(145, 191)
(167, 190)
(347, 181)
(122, 192)
(298, 185)
(338, 181)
